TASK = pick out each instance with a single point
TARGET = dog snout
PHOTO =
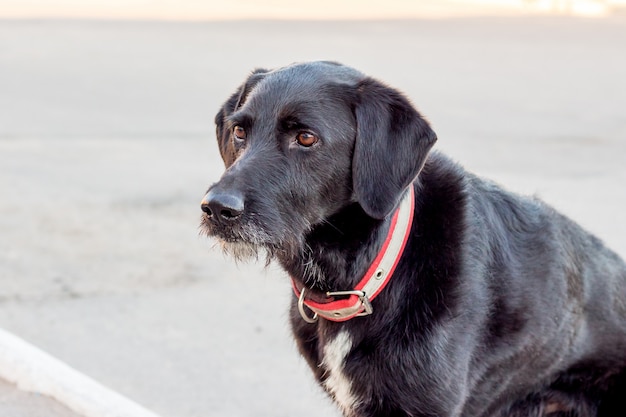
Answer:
(223, 206)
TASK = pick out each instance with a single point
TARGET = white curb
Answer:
(33, 370)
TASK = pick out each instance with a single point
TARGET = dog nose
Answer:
(223, 206)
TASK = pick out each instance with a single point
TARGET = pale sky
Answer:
(297, 9)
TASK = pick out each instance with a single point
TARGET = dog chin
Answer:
(251, 243)
(242, 251)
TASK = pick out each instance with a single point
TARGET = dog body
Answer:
(498, 305)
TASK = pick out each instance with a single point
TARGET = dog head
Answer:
(302, 142)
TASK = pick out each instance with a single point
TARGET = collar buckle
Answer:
(367, 305)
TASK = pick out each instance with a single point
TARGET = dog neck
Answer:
(353, 299)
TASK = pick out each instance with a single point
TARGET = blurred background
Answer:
(107, 146)
(285, 9)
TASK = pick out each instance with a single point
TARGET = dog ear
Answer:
(392, 142)
(234, 102)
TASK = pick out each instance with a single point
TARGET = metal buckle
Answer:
(305, 317)
(362, 297)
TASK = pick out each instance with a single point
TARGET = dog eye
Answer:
(239, 132)
(306, 139)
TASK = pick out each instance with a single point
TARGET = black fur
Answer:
(499, 305)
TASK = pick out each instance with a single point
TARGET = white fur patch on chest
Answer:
(336, 382)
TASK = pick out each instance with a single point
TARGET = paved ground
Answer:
(106, 147)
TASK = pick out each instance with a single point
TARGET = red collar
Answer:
(334, 306)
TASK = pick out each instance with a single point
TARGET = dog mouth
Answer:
(229, 233)
(246, 241)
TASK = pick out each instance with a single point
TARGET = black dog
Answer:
(475, 301)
